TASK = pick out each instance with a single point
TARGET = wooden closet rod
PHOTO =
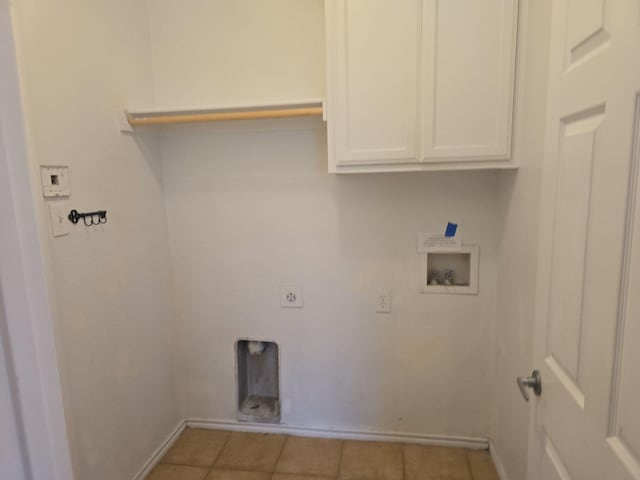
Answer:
(221, 116)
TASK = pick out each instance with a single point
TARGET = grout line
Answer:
(466, 457)
(275, 465)
(306, 475)
(221, 450)
(175, 464)
(343, 443)
(404, 471)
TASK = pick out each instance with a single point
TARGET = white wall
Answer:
(253, 210)
(80, 62)
(219, 52)
(13, 459)
(519, 199)
(34, 434)
(251, 207)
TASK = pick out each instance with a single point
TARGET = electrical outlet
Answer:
(291, 297)
(383, 303)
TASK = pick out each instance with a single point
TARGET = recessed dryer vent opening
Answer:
(258, 381)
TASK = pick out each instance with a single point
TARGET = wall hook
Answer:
(87, 218)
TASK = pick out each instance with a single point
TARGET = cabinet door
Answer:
(372, 81)
(468, 69)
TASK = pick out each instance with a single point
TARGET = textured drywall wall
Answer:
(251, 207)
(220, 53)
(253, 210)
(80, 62)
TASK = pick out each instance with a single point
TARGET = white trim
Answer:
(424, 167)
(476, 443)
(497, 461)
(29, 313)
(160, 451)
(520, 82)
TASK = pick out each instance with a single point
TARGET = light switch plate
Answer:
(55, 181)
(58, 212)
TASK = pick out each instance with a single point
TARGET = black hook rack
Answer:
(75, 216)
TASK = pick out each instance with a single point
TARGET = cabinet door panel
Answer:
(468, 65)
(374, 56)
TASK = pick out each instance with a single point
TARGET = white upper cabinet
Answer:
(420, 84)
(375, 45)
(468, 65)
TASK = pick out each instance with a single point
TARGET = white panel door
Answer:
(468, 69)
(586, 423)
(372, 56)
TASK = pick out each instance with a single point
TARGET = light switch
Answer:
(59, 222)
(55, 181)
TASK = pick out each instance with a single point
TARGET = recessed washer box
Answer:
(462, 262)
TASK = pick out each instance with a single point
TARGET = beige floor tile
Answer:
(371, 461)
(422, 462)
(251, 451)
(221, 474)
(482, 465)
(176, 472)
(292, 476)
(197, 447)
(310, 456)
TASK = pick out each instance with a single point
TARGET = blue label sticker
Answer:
(450, 231)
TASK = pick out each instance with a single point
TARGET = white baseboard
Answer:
(497, 462)
(440, 440)
(160, 451)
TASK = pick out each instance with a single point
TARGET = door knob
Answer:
(533, 382)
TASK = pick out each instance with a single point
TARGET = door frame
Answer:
(27, 288)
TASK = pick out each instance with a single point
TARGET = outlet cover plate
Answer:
(383, 302)
(290, 297)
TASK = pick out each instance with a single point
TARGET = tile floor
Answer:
(219, 455)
